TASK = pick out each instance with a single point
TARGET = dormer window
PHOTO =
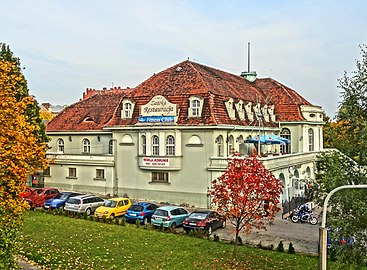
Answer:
(195, 107)
(127, 109)
(86, 146)
(230, 109)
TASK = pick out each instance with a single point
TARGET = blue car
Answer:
(60, 200)
(142, 211)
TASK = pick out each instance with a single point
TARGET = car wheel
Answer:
(224, 224)
(173, 226)
(145, 221)
(112, 216)
(88, 211)
(210, 230)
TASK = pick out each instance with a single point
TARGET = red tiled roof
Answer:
(177, 84)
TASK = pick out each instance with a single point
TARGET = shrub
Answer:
(123, 221)
(216, 238)
(291, 249)
(137, 223)
(280, 247)
(117, 221)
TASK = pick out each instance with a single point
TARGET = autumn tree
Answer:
(247, 193)
(347, 166)
(22, 152)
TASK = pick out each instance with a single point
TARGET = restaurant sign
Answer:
(158, 106)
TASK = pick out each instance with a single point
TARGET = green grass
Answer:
(59, 242)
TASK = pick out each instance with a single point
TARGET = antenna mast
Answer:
(248, 57)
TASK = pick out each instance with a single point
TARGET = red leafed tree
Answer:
(247, 193)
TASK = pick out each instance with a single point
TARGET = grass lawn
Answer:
(58, 242)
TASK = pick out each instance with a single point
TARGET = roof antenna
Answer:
(250, 76)
(248, 57)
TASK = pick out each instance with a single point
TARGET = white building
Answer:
(169, 137)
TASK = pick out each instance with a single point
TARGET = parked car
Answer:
(59, 200)
(142, 211)
(113, 208)
(169, 216)
(84, 203)
(27, 192)
(39, 195)
(205, 220)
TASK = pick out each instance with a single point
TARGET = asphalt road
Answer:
(303, 236)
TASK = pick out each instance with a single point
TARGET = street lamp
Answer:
(323, 230)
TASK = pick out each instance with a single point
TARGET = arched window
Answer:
(219, 142)
(155, 145)
(86, 146)
(195, 106)
(170, 145)
(60, 145)
(143, 144)
(230, 145)
(110, 147)
(127, 110)
(285, 148)
(311, 140)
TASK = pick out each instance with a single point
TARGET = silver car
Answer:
(84, 204)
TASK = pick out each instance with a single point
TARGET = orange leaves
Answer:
(247, 192)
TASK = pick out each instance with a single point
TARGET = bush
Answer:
(216, 238)
(137, 223)
(291, 249)
(123, 221)
(280, 247)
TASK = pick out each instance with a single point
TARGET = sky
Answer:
(67, 46)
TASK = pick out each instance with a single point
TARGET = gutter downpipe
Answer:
(323, 229)
(115, 179)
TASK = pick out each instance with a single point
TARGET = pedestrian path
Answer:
(25, 265)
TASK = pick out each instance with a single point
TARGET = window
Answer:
(72, 172)
(230, 145)
(60, 145)
(127, 110)
(47, 172)
(160, 177)
(86, 146)
(110, 147)
(170, 145)
(100, 173)
(285, 148)
(195, 108)
(143, 145)
(311, 140)
(219, 142)
(155, 145)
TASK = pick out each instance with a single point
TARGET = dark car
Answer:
(39, 195)
(205, 220)
(59, 200)
(142, 211)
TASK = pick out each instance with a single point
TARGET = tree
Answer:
(247, 193)
(22, 152)
(348, 134)
(352, 113)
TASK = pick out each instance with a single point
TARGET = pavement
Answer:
(26, 265)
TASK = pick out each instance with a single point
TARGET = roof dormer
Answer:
(230, 109)
(127, 109)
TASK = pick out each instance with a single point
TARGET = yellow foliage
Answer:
(20, 152)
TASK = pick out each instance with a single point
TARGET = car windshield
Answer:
(61, 196)
(160, 212)
(136, 208)
(110, 203)
(198, 215)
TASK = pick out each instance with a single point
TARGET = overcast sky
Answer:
(67, 46)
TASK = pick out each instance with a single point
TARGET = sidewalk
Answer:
(24, 265)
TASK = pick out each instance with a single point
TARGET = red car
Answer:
(27, 192)
(39, 195)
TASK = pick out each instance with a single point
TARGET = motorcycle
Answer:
(304, 217)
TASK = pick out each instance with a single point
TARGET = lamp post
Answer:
(323, 229)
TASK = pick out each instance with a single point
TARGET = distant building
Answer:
(170, 136)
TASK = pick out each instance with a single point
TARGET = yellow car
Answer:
(113, 208)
